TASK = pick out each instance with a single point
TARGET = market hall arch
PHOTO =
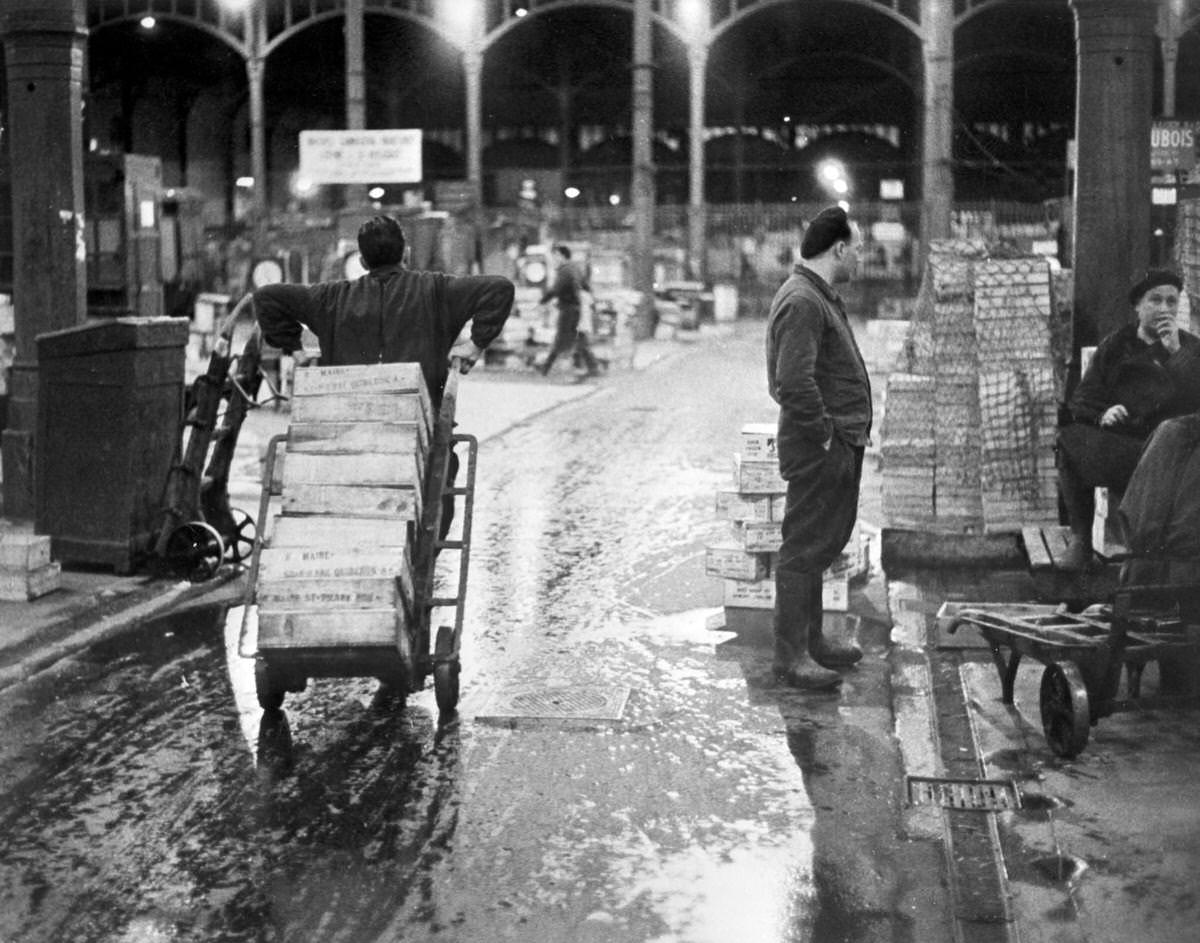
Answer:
(264, 26)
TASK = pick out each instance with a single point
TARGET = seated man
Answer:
(1141, 374)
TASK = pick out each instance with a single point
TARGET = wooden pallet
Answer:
(1044, 547)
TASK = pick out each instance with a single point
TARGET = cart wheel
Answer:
(1066, 714)
(242, 537)
(194, 551)
(268, 685)
(445, 673)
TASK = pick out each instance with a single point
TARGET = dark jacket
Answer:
(815, 371)
(567, 285)
(1150, 383)
(389, 315)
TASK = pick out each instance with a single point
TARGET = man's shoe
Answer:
(835, 655)
(1078, 555)
(806, 674)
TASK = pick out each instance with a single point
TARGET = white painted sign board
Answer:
(383, 156)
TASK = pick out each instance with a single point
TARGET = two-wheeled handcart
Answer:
(1087, 654)
(344, 583)
(199, 529)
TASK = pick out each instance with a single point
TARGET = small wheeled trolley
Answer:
(199, 529)
(343, 582)
(1086, 654)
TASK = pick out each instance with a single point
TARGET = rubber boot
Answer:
(1079, 500)
(794, 665)
(827, 652)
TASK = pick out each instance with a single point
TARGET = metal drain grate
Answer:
(565, 702)
(978, 795)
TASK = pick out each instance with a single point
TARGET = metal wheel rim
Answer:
(245, 533)
(194, 551)
(1066, 715)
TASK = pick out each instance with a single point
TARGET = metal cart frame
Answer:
(403, 668)
(1085, 654)
(199, 529)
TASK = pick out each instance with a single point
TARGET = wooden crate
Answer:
(336, 568)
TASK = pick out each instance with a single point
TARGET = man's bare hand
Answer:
(467, 353)
(1114, 415)
(1167, 329)
(301, 357)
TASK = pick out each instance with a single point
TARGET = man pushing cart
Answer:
(412, 321)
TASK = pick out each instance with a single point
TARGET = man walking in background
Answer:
(816, 374)
(568, 283)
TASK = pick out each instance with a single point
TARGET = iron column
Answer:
(1115, 63)
(44, 48)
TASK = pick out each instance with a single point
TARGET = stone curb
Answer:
(146, 604)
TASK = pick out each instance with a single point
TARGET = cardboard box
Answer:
(23, 585)
(734, 506)
(758, 441)
(747, 595)
(731, 561)
(760, 536)
(757, 477)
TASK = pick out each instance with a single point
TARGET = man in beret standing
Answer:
(816, 374)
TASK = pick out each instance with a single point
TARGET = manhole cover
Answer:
(979, 795)
(564, 702)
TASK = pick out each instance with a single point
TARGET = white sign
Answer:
(387, 156)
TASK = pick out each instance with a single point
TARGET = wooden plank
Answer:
(322, 531)
(360, 378)
(398, 438)
(361, 407)
(368, 468)
(336, 628)
(321, 594)
(400, 503)
(1056, 539)
(1035, 548)
(303, 563)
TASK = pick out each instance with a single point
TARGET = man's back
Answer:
(391, 314)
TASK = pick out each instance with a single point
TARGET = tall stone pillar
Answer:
(1115, 44)
(356, 89)
(473, 75)
(256, 68)
(937, 139)
(43, 47)
(697, 216)
(644, 191)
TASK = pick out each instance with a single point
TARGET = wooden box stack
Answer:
(984, 366)
(336, 565)
(754, 507)
(26, 570)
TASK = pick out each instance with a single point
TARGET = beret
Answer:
(1152, 279)
(826, 228)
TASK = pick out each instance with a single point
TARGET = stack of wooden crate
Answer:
(336, 568)
(26, 570)
(1018, 393)
(970, 419)
(754, 506)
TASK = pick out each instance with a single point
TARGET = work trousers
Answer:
(1090, 457)
(822, 506)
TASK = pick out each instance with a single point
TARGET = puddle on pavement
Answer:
(1059, 869)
